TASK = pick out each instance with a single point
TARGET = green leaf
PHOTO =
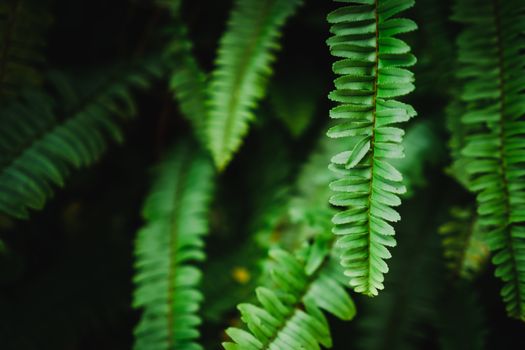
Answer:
(243, 66)
(488, 149)
(56, 139)
(358, 153)
(166, 248)
(371, 72)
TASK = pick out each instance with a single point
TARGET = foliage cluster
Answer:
(312, 163)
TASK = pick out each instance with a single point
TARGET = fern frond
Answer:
(289, 312)
(172, 239)
(23, 26)
(40, 143)
(187, 80)
(493, 70)
(372, 74)
(243, 66)
(463, 243)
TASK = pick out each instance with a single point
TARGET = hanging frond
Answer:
(289, 314)
(308, 214)
(187, 80)
(491, 57)
(372, 74)
(243, 66)
(41, 140)
(176, 213)
(23, 26)
(463, 243)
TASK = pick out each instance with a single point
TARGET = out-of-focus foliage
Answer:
(172, 239)
(491, 54)
(242, 68)
(43, 138)
(23, 29)
(248, 257)
(464, 244)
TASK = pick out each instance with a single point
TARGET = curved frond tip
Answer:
(243, 66)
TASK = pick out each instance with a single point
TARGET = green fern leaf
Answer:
(463, 243)
(166, 281)
(242, 68)
(403, 313)
(23, 26)
(187, 80)
(39, 146)
(289, 312)
(372, 73)
(492, 70)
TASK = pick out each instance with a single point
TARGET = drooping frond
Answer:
(492, 66)
(187, 80)
(463, 243)
(168, 244)
(23, 25)
(308, 212)
(42, 139)
(288, 314)
(243, 66)
(372, 74)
